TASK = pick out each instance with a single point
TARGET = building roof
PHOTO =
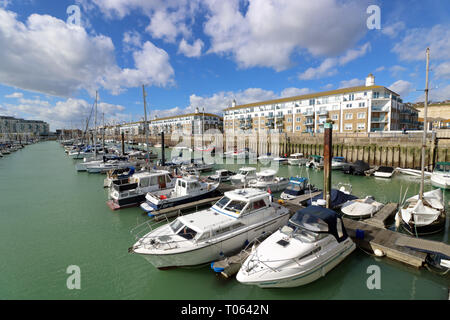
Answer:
(311, 96)
(186, 115)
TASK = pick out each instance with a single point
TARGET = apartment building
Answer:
(12, 126)
(367, 108)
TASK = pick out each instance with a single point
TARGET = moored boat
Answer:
(267, 180)
(441, 175)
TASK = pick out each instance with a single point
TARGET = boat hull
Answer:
(440, 181)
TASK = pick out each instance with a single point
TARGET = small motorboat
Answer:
(297, 159)
(423, 217)
(265, 157)
(315, 162)
(413, 172)
(238, 218)
(384, 172)
(441, 175)
(118, 174)
(244, 176)
(222, 175)
(187, 189)
(357, 168)
(361, 208)
(267, 180)
(312, 243)
(199, 165)
(280, 160)
(337, 163)
(338, 198)
(297, 186)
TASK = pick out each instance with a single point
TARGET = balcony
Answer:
(380, 109)
(323, 112)
(308, 123)
(379, 120)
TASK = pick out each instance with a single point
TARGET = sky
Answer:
(55, 55)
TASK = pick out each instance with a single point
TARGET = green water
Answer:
(52, 217)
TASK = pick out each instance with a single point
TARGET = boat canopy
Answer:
(442, 166)
(338, 158)
(297, 180)
(320, 220)
(385, 169)
(337, 198)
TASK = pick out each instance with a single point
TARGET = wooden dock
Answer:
(383, 216)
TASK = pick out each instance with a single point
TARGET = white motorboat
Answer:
(237, 219)
(222, 175)
(315, 162)
(441, 175)
(413, 172)
(423, 217)
(187, 189)
(266, 157)
(198, 165)
(82, 166)
(297, 186)
(118, 174)
(267, 180)
(280, 160)
(361, 208)
(139, 184)
(337, 163)
(297, 159)
(106, 166)
(384, 172)
(244, 176)
(312, 243)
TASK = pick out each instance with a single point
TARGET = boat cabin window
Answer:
(443, 167)
(144, 182)
(222, 202)
(295, 187)
(176, 225)
(301, 234)
(266, 178)
(204, 236)
(194, 185)
(153, 180)
(187, 233)
(258, 204)
(236, 206)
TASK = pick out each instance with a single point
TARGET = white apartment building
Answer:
(366, 108)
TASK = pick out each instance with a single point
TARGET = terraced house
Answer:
(368, 108)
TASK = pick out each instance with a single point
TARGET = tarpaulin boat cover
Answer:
(337, 198)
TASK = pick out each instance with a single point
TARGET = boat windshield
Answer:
(301, 234)
(187, 233)
(222, 202)
(442, 167)
(236, 206)
(175, 226)
(244, 172)
(266, 178)
(294, 187)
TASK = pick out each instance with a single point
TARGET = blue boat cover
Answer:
(337, 198)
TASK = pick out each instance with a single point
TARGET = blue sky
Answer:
(205, 53)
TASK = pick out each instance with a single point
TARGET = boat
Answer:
(384, 172)
(108, 165)
(133, 193)
(118, 174)
(422, 217)
(222, 175)
(238, 218)
(297, 186)
(413, 172)
(338, 198)
(361, 208)
(337, 163)
(357, 168)
(313, 242)
(267, 180)
(315, 162)
(266, 157)
(280, 160)
(187, 189)
(441, 175)
(297, 159)
(198, 165)
(244, 176)
(82, 166)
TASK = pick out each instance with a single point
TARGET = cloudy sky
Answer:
(205, 53)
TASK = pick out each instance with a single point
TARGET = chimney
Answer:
(197, 110)
(370, 80)
(233, 104)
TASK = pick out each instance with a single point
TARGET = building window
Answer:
(348, 116)
(361, 126)
(311, 102)
(361, 115)
(335, 127)
(335, 117)
(298, 119)
(376, 95)
(349, 105)
(290, 120)
(348, 126)
(298, 128)
(362, 104)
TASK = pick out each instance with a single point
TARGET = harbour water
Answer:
(52, 217)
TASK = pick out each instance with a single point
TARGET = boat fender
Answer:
(379, 253)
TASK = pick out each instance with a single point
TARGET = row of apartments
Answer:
(14, 126)
(192, 123)
(368, 108)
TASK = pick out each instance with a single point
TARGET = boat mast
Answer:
(425, 125)
(95, 125)
(145, 122)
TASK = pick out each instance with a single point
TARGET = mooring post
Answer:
(163, 158)
(123, 143)
(327, 150)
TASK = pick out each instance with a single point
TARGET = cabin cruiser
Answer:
(297, 186)
(88, 152)
(423, 217)
(361, 208)
(244, 176)
(82, 166)
(267, 180)
(199, 165)
(384, 172)
(222, 175)
(441, 175)
(315, 162)
(297, 159)
(139, 184)
(108, 165)
(313, 242)
(187, 189)
(122, 174)
(337, 163)
(237, 219)
(357, 168)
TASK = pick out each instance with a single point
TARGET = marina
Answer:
(99, 238)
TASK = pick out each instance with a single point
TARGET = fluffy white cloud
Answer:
(351, 83)
(394, 29)
(329, 66)
(191, 51)
(402, 87)
(15, 95)
(46, 55)
(270, 31)
(379, 69)
(395, 70)
(442, 71)
(291, 92)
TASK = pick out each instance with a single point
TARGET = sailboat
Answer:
(424, 213)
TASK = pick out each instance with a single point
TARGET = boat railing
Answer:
(148, 226)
